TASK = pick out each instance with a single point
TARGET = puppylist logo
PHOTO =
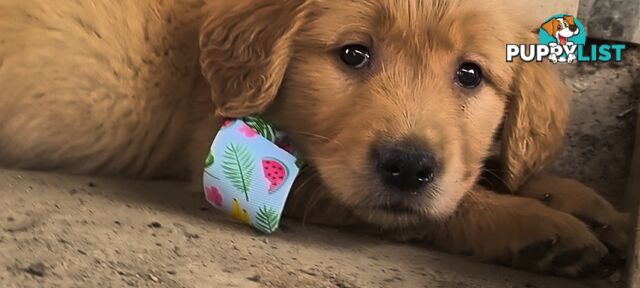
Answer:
(563, 40)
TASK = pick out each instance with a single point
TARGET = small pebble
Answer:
(36, 269)
(615, 277)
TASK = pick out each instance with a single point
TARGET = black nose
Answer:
(573, 28)
(404, 166)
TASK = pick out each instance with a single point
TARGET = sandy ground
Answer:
(64, 231)
(601, 130)
(61, 231)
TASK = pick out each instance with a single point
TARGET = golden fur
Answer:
(105, 87)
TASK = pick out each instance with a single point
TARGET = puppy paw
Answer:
(522, 233)
(570, 196)
(560, 244)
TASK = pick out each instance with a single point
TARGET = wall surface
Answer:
(600, 134)
(633, 197)
(617, 20)
(612, 19)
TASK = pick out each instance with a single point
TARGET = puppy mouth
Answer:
(563, 40)
(396, 209)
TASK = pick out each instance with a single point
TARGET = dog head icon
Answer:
(561, 28)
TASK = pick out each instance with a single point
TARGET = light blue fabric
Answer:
(248, 175)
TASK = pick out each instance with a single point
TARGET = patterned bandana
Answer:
(249, 172)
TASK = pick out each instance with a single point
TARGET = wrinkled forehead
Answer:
(418, 28)
(455, 23)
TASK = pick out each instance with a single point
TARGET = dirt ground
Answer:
(60, 231)
(66, 231)
(600, 135)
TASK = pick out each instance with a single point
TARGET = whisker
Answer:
(308, 134)
(479, 203)
(306, 181)
(495, 175)
(321, 158)
(315, 199)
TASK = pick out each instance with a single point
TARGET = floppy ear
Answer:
(569, 19)
(549, 27)
(535, 123)
(245, 50)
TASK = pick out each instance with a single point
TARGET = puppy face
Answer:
(394, 103)
(561, 28)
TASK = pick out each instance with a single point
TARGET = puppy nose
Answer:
(405, 167)
(573, 28)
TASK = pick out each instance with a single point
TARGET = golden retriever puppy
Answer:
(395, 105)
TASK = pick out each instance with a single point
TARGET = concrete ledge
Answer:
(63, 231)
(544, 9)
(617, 20)
(633, 202)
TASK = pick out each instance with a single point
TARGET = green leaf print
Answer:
(262, 127)
(238, 166)
(209, 161)
(267, 219)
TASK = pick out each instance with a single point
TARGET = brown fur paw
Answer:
(563, 246)
(522, 233)
(573, 197)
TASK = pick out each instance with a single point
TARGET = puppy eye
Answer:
(355, 56)
(469, 75)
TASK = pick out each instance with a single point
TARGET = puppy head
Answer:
(552, 26)
(394, 103)
(562, 28)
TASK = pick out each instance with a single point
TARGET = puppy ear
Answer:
(535, 122)
(549, 27)
(245, 50)
(569, 19)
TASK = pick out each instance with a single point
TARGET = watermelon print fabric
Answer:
(249, 172)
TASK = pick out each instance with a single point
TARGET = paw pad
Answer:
(568, 258)
(537, 250)
(592, 223)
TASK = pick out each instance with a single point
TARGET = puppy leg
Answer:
(573, 197)
(519, 232)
